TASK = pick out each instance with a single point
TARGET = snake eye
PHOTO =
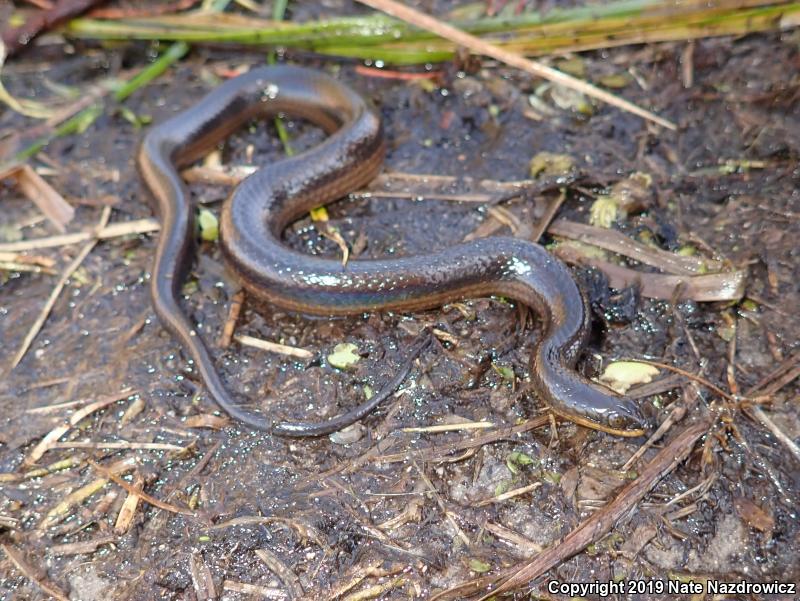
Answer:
(619, 422)
(627, 419)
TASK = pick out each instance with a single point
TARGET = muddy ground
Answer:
(346, 517)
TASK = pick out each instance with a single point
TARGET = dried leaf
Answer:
(206, 420)
(753, 515)
(621, 375)
(57, 210)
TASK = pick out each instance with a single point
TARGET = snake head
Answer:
(625, 416)
(611, 412)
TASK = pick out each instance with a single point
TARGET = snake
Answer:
(255, 215)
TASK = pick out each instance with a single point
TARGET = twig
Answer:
(776, 431)
(779, 377)
(137, 491)
(537, 69)
(376, 591)
(55, 408)
(13, 266)
(86, 546)
(401, 75)
(604, 519)
(447, 514)
(282, 571)
(273, 347)
(39, 261)
(16, 557)
(690, 375)
(17, 38)
(624, 245)
(78, 496)
(57, 210)
(128, 509)
(51, 301)
(140, 226)
(122, 444)
(451, 427)
(544, 222)
(253, 589)
(691, 396)
(51, 437)
(520, 542)
(509, 494)
(233, 316)
(434, 451)
(723, 286)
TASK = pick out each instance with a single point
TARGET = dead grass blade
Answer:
(78, 496)
(52, 437)
(601, 522)
(83, 547)
(479, 46)
(273, 347)
(139, 226)
(51, 300)
(18, 559)
(619, 243)
(36, 189)
(137, 491)
(707, 287)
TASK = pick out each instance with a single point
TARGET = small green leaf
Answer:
(136, 120)
(552, 477)
(615, 81)
(476, 565)
(515, 460)
(344, 356)
(209, 225)
(190, 287)
(368, 393)
(505, 372)
(502, 488)
(80, 276)
(427, 85)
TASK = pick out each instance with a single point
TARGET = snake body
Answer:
(260, 208)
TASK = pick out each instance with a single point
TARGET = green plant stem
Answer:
(378, 37)
(82, 120)
(278, 14)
